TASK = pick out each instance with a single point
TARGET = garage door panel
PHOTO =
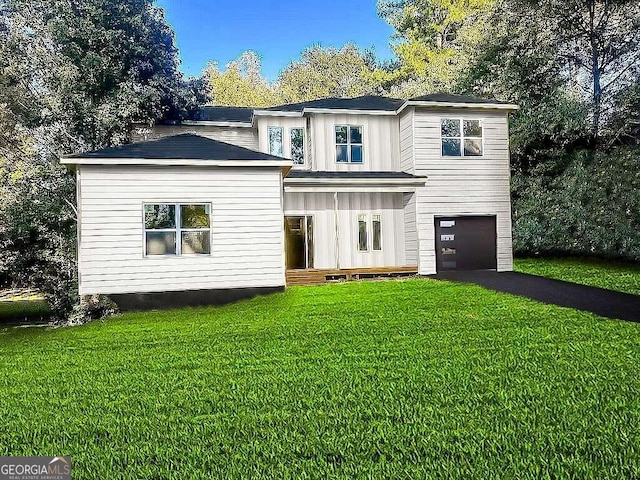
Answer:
(466, 243)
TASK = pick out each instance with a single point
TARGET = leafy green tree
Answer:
(328, 72)
(75, 76)
(241, 84)
(436, 39)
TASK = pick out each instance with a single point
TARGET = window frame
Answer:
(348, 144)
(275, 127)
(304, 146)
(366, 231)
(373, 248)
(178, 230)
(368, 222)
(462, 137)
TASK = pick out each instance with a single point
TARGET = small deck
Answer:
(314, 276)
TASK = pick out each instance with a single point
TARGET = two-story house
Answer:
(238, 201)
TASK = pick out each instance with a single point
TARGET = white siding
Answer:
(242, 136)
(462, 186)
(410, 228)
(406, 141)
(247, 229)
(380, 137)
(321, 206)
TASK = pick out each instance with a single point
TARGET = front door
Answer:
(299, 242)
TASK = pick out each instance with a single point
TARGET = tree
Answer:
(241, 84)
(600, 41)
(328, 72)
(75, 76)
(436, 40)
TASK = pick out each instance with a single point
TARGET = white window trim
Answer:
(348, 144)
(366, 229)
(178, 231)
(274, 127)
(376, 214)
(304, 147)
(462, 137)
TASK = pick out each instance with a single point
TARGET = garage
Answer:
(466, 243)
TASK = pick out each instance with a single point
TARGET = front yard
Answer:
(612, 275)
(397, 379)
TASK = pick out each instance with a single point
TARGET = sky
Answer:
(277, 30)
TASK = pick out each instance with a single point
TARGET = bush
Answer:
(592, 208)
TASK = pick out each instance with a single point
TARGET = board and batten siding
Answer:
(242, 136)
(410, 228)
(380, 142)
(247, 247)
(462, 185)
(321, 206)
(406, 141)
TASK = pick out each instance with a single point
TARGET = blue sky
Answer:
(277, 30)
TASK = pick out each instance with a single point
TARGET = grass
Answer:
(398, 379)
(620, 276)
(23, 310)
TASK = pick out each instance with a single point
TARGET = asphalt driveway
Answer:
(606, 303)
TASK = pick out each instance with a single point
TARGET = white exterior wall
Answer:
(247, 248)
(350, 204)
(246, 137)
(462, 186)
(380, 137)
(406, 141)
(410, 228)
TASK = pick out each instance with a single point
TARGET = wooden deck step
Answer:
(320, 276)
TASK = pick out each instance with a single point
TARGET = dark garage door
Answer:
(465, 243)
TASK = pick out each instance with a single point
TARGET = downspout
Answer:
(335, 207)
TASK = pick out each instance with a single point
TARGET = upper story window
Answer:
(277, 145)
(348, 144)
(461, 137)
(177, 229)
(297, 145)
(275, 141)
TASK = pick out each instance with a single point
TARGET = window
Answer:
(297, 146)
(177, 229)
(275, 141)
(376, 224)
(348, 144)
(368, 230)
(459, 141)
(363, 244)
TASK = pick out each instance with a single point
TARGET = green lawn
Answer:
(397, 379)
(23, 310)
(624, 277)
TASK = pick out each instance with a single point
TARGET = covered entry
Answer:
(466, 243)
(299, 241)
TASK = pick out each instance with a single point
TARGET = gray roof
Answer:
(451, 98)
(352, 175)
(222, 114)
(367, 102)
(185, 146)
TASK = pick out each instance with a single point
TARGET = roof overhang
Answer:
(353, 184)
(276, 113)
(474, 106)
(171, 162)
(209, 123)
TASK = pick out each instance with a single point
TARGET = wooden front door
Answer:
(299, 242)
